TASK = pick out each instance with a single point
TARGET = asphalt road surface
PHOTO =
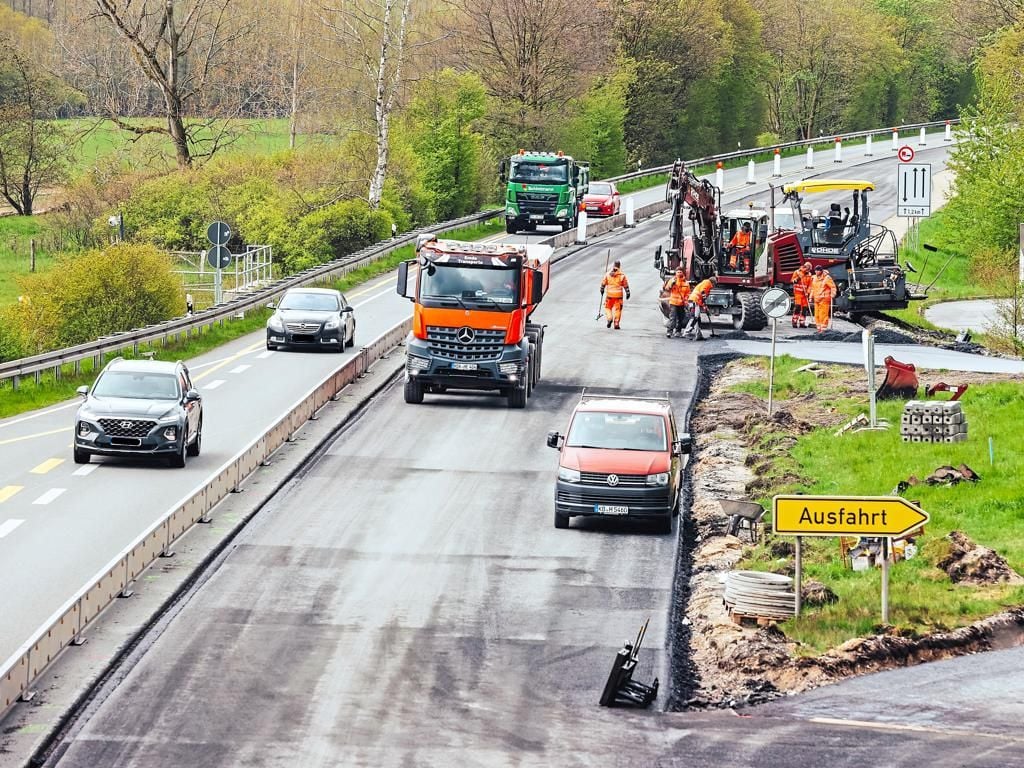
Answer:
(976, 315)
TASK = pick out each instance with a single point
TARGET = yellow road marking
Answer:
(9, 490)
(46, 466)
(10, 440)
(227, 360)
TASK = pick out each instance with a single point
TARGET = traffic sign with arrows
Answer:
(846, 516)
(914, 190)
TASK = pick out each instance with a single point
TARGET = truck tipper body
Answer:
(471, 326)
(543, 188)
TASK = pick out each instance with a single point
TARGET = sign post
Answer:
(774, 304)
(913, 186)
(218, 257)
(887, 517)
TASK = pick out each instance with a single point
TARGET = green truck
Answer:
(542, 188)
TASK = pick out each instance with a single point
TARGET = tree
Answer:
(33, 150)
(183, 49)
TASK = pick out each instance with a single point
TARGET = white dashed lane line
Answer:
(240, 369)
(88, 469)
(264, 355)
(213, 384)
(9, 525)
(49, 496)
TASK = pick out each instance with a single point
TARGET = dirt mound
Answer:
(814, 594)
(970, 563)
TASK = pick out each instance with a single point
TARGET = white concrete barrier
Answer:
(630, 218)
(719, 174)
(839, 150)
(895, 140)
(949, 132)
(923, 141)
(777, 164)
(809, 163)
(751, 179)
(581, 227)
(867, 147)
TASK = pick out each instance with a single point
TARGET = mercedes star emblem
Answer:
(465, 335)
(613, 479)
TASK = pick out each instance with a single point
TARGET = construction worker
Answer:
(617, 288)
(739, 248)
(698, 297)
(802, 280)
(678, 294)
(823, 290)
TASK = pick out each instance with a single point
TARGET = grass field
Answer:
(923, 599)
(16, 234)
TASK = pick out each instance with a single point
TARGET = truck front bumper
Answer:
(506, 372)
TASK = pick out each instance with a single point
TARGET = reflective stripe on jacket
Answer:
(678, 291)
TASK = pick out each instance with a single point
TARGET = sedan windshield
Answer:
(599, 188)
(487, 286)
(137, 386)
(524, 172)
(316, 302)
(619, 431)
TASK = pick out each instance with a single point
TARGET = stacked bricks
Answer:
(931, 421)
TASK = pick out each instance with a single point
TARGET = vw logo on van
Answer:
(465, 335)
(613, 480)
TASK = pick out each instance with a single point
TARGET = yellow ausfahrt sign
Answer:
(846, 515)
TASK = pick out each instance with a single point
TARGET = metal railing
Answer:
(95, 350)
(67, 625)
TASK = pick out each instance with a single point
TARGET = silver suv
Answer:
(140, 408)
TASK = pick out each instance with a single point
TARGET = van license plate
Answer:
(464, 366)
(604, 509)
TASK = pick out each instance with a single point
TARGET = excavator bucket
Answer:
(900, 381)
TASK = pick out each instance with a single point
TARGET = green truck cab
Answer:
(542, 188)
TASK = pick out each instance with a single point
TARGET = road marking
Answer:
(214, 384)
(46, 466)
(10, 440)
(385, 292)
(88, 469)
(9, 490)
(264, 355)
(49, 496)
(8, 526)
(240, 369)
(227, 360)
(902, 727)
(37, 414)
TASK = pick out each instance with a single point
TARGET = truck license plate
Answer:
(464, 366)
(536, 217)
(604, 509)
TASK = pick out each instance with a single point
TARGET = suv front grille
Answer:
(485, 346)
(126, 427)
(601, 478)
(534, 202)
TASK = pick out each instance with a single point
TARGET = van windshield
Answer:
(617, 431)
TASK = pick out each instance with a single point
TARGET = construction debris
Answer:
(759, 595)
(815, 594)
(970, 563)
(900, 381)
(925, 421)
(944, 387)
(947, 475)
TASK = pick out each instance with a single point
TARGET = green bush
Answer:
(171, 211)
(91, 295)
(767, 139)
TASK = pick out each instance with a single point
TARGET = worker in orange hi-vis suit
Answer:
(614, 287)
(823, 289)
(678, 294)
(802, 280)
(739, 247)
(698, 297)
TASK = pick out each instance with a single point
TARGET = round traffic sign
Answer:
(218, 233)
(775, 302)
(218, 257)
(905, 154)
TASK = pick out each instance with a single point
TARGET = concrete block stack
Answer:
(933, 421)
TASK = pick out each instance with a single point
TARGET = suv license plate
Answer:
(464, 366)
(603, 509)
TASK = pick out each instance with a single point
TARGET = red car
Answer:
(602, 199)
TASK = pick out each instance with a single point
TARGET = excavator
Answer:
(861, 257)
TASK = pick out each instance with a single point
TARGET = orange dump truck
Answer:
(471, 326)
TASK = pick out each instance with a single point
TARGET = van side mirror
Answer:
(403, 279)
(83, 390)
(658, 262)
(503, 172)
(536, 286)
(555, 440)
(683, 445)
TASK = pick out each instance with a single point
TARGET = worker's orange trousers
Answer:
(613, 309)
(821, 314)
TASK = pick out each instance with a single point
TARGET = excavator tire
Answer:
(751, 316)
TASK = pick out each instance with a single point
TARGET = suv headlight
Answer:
(569, 475)
(84, 428)
(659, 479)
(275, 324)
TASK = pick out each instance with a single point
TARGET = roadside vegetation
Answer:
(923, 599)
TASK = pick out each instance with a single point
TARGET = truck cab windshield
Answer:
(466, 285)
(526, 172)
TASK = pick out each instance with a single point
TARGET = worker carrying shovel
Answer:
(698, 298)
(614, 288)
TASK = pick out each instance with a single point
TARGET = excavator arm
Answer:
(704, 201)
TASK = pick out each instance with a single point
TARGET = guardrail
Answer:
(97, 349)
(67, 625)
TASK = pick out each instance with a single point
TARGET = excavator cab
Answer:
(735, 259)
